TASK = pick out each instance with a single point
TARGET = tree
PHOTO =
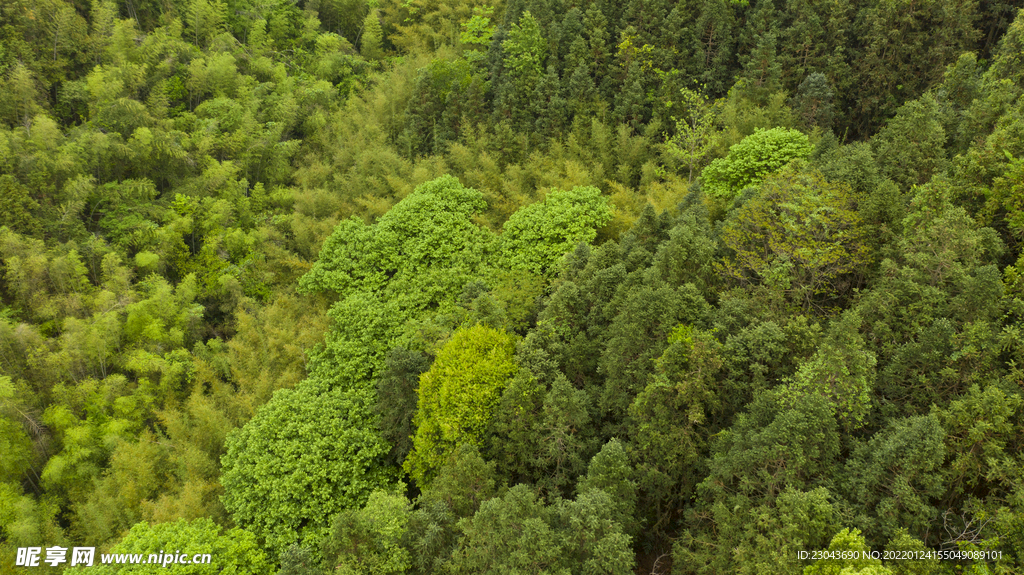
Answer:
(413, 262)
(176, 545)
(813, 102)
(525, 53)
(841, 370)
(463, 483)
(896, 476)
(457, 394)
(422, 251)
(205, 18)
(929, 318)
(1007, 198)
(317, 442)
(910, 146)
(770, 466)
(695, 131)
(638, 334)
(669, 441)
(610, 472)
(369, 540)
(859, 561)
(460, 488)
(517, 533)
(372, 37)
(541, 431)
(537, 236)
(753, 159)
(798, 235)
(16, 207)
(24, 92)
(396, 399)
(478, 30)
(901, 50)
(688, 257)
(980, 438)
(525, 49)
(16, 442)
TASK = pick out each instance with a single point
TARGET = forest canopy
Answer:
(534, 286)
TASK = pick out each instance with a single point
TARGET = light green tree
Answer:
(695, 131)
(753, 159)
(859, 563)
(372, 37)
(478, 29)
(306, 455)
(537, 235)
(525, 48)
(232, 551)
(457, 394)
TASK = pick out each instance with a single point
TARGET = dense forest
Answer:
(525, 287)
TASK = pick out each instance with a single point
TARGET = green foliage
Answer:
(904, 543)
(894, 478)
(541, 429)
(610, 472)
(670, 440)
(457, 395)
(841, 370)
(287, 449)
(814, 102)
(17, 442)
(767, 359)
(478, 30)
(943, 278)
(852, 544)
(767, 466)
(910, 146)
(979, 427)
(752, 160)
(230, 550)
(16, 206)
(537, 236)
(903, 49)
(517, 533)
(428, 239)
(695, 132)
(795, 521)
(464, 482)
(396, 399)
(368, 540)
(799, 236)
(372, 37)
(525, 48)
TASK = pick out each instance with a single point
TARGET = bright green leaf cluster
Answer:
(753, 159)
(306, 455)
(859, 563)
(538, 235)
(457, 394)
(231, 551)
